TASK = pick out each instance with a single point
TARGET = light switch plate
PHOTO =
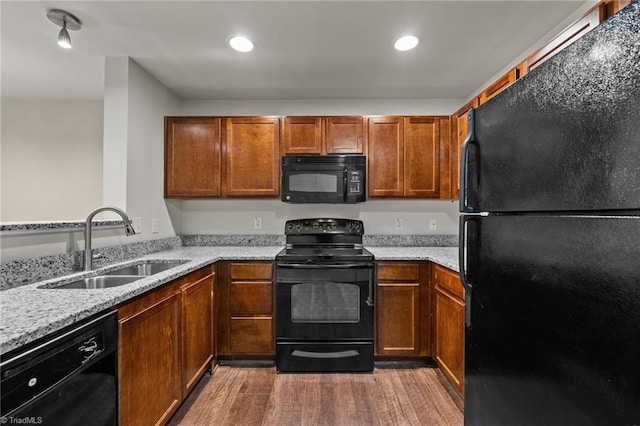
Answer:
(155, 225)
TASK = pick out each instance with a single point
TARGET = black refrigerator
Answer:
(550, 239)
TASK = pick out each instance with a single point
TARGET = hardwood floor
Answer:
(259, 396)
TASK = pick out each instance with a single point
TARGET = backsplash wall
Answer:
(379, 216)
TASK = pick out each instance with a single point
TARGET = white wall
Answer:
(133, 157)
(135, 106)
(236, 216)
(51, 159)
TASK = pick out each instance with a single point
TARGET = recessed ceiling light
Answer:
(241, 44)
(407, 42)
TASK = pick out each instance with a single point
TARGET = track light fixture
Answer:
(68, 22)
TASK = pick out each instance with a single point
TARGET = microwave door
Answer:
(308, 183)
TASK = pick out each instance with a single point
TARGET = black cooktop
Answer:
(332, 253)
(323, 239)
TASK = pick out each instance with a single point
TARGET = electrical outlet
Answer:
(257, 222)
(433, 224)
(155, 225)
(137, 224)
(399, 223)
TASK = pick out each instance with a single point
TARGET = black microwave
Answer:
(338, 178)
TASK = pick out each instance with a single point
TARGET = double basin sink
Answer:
(120, 276)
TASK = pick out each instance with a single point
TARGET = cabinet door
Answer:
(385, 157)
(448, 330)
(149, 376)
(251, 157)
(614, 6)
(576, 30)
(197, 330)
(460, 119)
(398, 318)
(422, 157)
(192, 157)
(402, 309)
(499, 85)
(344, 135)
(302, 135)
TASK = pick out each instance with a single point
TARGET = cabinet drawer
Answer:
(252, 335)
(398, 271)
(251, 298)
(448, 280)
(251, 271)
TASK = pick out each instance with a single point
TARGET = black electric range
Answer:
(324, 294)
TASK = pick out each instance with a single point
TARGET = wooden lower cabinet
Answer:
(197, 330)
(149, 364)
(245, 314)
(402, 309)
(164, 346)
(448, 324)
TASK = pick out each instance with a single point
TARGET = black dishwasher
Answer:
(66, 378)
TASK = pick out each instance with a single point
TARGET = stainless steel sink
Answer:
(120, 276)
(101, 281)
(145, 269)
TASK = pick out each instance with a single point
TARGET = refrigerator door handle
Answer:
(471, 136)
(464, 279)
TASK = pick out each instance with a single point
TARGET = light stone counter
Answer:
(29, 312)
(445, 256)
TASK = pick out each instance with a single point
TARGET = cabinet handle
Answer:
(471, 136)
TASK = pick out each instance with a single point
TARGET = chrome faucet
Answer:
(128, 229)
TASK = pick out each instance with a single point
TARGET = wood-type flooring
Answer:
(248, 396)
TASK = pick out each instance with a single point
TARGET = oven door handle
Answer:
(323, 265)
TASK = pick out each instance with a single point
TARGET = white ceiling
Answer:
(303, 49)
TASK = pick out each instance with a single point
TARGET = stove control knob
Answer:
(349, 226)
(294, 226)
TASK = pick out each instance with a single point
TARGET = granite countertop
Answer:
(30, 312)
(445, 256)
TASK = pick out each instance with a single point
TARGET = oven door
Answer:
(324, 302)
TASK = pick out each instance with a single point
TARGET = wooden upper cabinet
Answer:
(499, 85)
(422, 157)
(323, 135)
(344, 135)
(459, 136)
(614, 6)
(576, 30)
(251, 157)
(302, 135)
(385, 177)
(192, 157)
(405, 156)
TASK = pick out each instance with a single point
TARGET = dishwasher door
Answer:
(67, 378)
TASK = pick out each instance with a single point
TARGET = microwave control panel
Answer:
(354, 183)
